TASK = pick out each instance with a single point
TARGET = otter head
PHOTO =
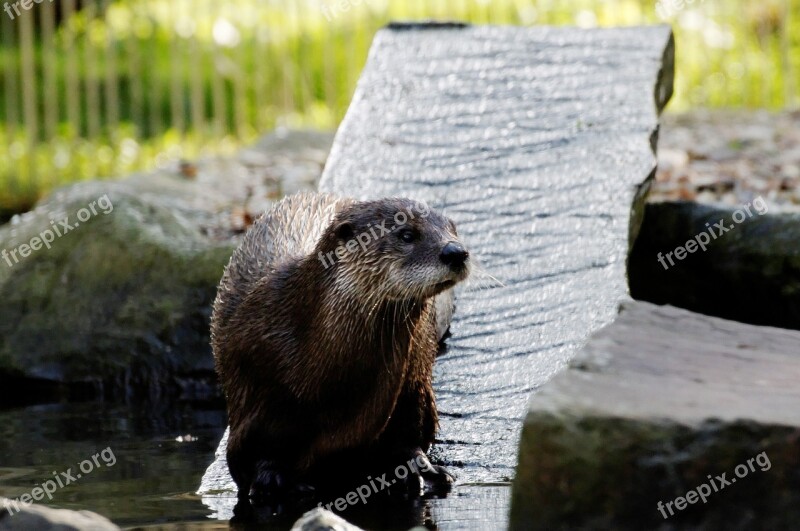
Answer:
(395, 249)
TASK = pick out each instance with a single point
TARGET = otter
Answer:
(325, 330)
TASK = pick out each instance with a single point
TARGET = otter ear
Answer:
(344, 230)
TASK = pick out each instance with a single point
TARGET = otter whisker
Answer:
(479, 274)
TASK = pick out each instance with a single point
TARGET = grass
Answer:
(127, 85)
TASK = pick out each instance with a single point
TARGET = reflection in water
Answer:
(158, 470)
(152, 476)
(380, 512)
(480, 507)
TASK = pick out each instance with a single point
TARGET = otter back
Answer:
(288, 231)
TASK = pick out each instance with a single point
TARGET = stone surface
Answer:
(751, 273)
(538, 142)
(40, 518)
(120, 304)
(322, 520)
(217, 479)
(653, 405)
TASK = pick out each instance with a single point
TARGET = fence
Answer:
(99, 88)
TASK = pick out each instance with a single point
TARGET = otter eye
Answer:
(407, 235)
(344, 231)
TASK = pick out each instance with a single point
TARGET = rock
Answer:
(751, 273)
(323, 520)
(217, 478)
(27, 517)
(122, 300)
(537, 142)
(119, 305)
(656, 405)
(292, 159)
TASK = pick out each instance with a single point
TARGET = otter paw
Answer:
(271, 483)
(267, 484)
(435, 476)
(439, 476)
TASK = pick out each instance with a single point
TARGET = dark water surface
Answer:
(153, 463)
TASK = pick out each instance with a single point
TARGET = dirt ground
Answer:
(730, 157)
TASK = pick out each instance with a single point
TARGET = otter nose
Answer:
(454, 254)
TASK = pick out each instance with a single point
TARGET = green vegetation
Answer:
(120, 86)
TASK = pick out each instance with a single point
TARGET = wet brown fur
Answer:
(317, 360)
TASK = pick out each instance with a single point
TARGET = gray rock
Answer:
(751, 273)
(657, 404)
(40, 518)
(323, 520)
(217, 478)
(122, 300)
(120, 304)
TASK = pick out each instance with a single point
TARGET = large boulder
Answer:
(666, 419)
(749, 273)
(121, 300)
(107, 286)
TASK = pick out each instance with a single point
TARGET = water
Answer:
(159, 457)
(154, 476)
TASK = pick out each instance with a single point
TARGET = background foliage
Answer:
(101, 88)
